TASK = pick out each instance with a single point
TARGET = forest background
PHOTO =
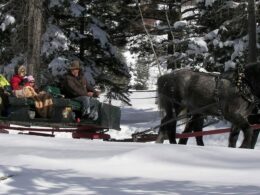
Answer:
(121, 44)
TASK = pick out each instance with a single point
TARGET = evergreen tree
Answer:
(219, 39)
(209, 34)
(12, 42)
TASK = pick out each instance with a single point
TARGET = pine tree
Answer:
(12, 43)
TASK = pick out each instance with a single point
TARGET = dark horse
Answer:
(203, 94)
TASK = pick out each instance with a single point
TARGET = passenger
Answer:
(75, 86)
(4, 93)
(30, 81)
(24, 87)
(18, 82)
(43, 96)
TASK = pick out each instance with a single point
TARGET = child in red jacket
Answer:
(17, 81)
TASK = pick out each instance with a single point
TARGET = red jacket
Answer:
(17, 82)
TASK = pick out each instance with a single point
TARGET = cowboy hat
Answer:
(74, 65)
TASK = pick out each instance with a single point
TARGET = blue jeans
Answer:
(89, 106)
(85, 103)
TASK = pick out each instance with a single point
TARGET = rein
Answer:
(173, 119)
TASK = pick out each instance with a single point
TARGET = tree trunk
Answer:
(82, 44)
(174, 16)
(170, 37)
(34, 35)
(252, 57)
(82, 32)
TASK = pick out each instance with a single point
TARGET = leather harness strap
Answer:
(216, 92)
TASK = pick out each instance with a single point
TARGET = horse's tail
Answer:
(166, 106)
(163, 99)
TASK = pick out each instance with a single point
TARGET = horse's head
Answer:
(252, 74)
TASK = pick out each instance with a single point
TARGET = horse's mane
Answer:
(200, 70)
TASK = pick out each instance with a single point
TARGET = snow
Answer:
(54, 40)
(153, 74)
(103, 37)
(66, 166)
(239, 47)
(197, 45)
(232, 4)
(99, 34)
(58, 66)
(209, 2)
(180, 24)
(54, 3)
(7, 21)
(212, 35)
(75, 9)
(229, 65)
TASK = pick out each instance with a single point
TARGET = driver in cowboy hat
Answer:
(76, 87)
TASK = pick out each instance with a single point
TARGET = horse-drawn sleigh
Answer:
(201, 94)
(65, 117)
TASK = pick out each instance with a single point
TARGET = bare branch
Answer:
(149, 37)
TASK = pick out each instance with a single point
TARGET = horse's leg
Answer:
(248, 133)
(169, 129)
(172, 125)
(195, 124)
(198, 126)
(254, 119)
(160, 138)
(162, 132)
(254, 138)
(240, 122)
(187, 129)
(233, 136)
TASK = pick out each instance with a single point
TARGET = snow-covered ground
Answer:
(65, 166)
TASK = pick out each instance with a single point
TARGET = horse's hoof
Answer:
(245, 146)
(232, 145)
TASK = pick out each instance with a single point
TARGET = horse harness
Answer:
(239, 80)
(216, 94)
